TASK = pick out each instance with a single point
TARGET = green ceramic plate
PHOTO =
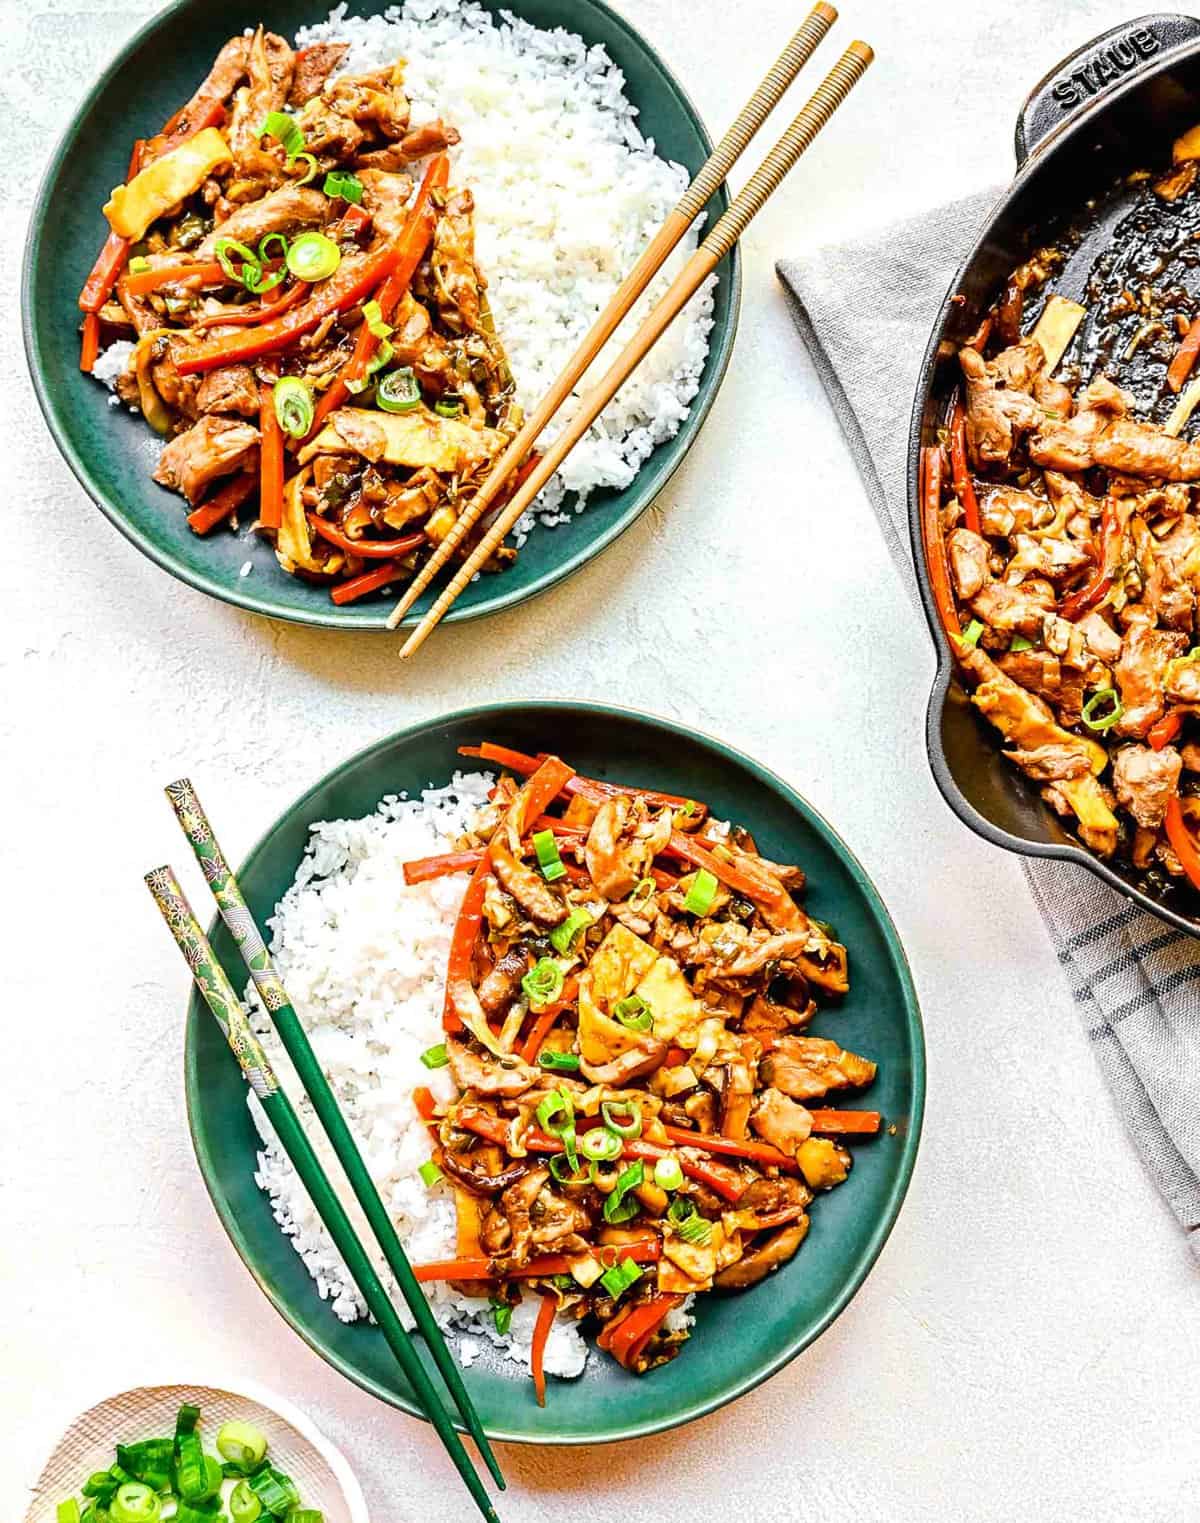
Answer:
(739, 1340)
(112, 452)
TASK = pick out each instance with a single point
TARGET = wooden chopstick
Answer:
(219, 995)
(829, 95)
(241, 926)
(709, 179)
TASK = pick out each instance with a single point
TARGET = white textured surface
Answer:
(1028, 1344)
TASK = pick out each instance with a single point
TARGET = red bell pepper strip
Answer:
(758, 1152)
(97, 288)
(267, 308)
(337, 294)
(934, 541)
(270, 505)
(409, 250)
(590, 787)
(369, 549)
(1163, 731)
(370, 581)
(964, 487)
(649, 1251)
(223, 504)
(1181, 841)
(740, 879)
(462, 943)
(846, 1123)
(1185, 358)
(205, 272)
(633, 1331)
(426, 869)
(89, 346)
(541, 1336)
(1087, 596)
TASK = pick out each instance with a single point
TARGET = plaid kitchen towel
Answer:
(864, 310)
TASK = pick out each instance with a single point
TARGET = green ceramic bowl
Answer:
(739, 1340)
(112, 452)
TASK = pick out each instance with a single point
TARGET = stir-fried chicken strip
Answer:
(623, 1038)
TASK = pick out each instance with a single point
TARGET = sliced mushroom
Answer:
(768, 1255)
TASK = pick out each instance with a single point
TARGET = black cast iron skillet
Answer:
(1112, 107)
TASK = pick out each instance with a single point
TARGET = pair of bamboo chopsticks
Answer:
(224, 1004)
(829, 95)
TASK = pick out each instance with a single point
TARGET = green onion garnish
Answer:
(1106, 695)
(501, 1316)
(435, 1057)
(135, 1503)
(447, 407)
(562, 937)
(293, 406)
(559, 1062)
(68, 1511)
(556, 1113)
(620, 1277)
(399, 391)
(244, 1506)
(543, 983)
(567, 1173)
(313, 257)
(251, 267)
(285, 129)
(305, 1515)
(668, 1173)
(242, 1444)
(701, 894)
(643, 892)
(549, 860)
(1019, 643)
(970, 635)
(314, 169)
(264, 248)
(148, 1461)
(617, 1207)
(100, 1484)
(697, 1229)
(138, 264)
(430, 1174)
(600, 1145)
(276, 1491)
(634, 1013)
(623, 1117)
(191, 1472)
(373, 317)
(339, 183)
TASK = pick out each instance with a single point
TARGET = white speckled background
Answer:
(1029, 1343)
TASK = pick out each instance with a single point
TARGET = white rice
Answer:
(568, 192)
(363, 956)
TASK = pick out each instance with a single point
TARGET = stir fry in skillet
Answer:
(1062, 530)
(311, 333)
(639, 1113)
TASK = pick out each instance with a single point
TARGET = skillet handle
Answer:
(1089, 72)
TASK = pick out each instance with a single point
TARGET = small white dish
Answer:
(296, 1445)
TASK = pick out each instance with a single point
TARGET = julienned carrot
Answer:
(369, 549)
(649, 1251)
(270, 504)
(244, 316)
(462, 943)
(426, 869)
(410, 250)
(590, 787)
(97, 288)
(1185, 358)
(1181, 840)
(541, 1336)
(846, 1123)
(964, 487)
(749, 884)
(369, 581)
(424, 1102)
(935, 542)
(544, 1024)
(223, 504)
(205, 272)
(627, 1339)
(759, 1152)
(89, 346)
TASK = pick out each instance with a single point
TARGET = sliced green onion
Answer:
(314, 169)
(373, 317)
(631, 1110)
(603, 1173)
(559, 1062)
(348, 187)
(138, 264)
(701, 894)
(556, 1113)
(680, 1209)
(447, 407)
(135, 1503)
(569, 1138)
(313, 257)
(148, 1461)
(242, 1444)
(562, 937)
(567, 1173)
(293, 406)
(68, 1511)
(668, 1173)
(1106, 695)
(970, 635)
(264, 247)
(435, 1057)
(190, 1471)
(305, 1515)
(244, 1506)
(543, 983)
(697, 1230)
(1019, 643)
(258, 281)
(502, 1316)
(599, 1145)
(382, 357)
(285, 129)
(430, 1174)
(620, 1277)
(399, 391)
(617, 1207)
(99, 1484)
(224, 247)
(549, 860)
(634, 1013)
(276, 1491)
(643, 892)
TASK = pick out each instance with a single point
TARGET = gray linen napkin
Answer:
(864, 310)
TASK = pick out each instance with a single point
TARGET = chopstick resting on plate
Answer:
(222, 1000)
(828, 96)
(711, 176)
